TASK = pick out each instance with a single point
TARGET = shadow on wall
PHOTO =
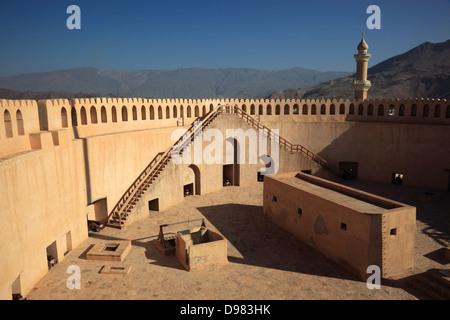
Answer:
(86, 166)
(432, 211)
(382, 151)
(261, 243)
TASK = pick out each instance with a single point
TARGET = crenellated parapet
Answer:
(93, 116)
(18, 118)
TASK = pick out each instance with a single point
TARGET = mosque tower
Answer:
(361, 85)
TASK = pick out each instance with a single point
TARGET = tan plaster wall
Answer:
(398, 250)
(364, 242)
(380, 149)
(42, 198)
(319, 224)
(116, 160)
(212, 251)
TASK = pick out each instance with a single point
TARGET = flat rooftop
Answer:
(352, 198)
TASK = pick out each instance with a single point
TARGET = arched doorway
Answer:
(231, 171)
(197, 181)
(191, 181)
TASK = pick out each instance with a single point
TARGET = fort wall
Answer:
(59, 158)
(42, 206)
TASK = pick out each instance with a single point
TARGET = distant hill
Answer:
(193, 83)
(42, 95)
(421, 72)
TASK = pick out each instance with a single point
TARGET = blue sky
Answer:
(172, 34)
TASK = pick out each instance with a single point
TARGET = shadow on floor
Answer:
(151, 252)
(262, 243)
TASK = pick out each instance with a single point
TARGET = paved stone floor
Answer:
(265, 262)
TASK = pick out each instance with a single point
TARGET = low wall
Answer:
(348, 226)
(201, 248)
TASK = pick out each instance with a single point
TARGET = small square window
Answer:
(343, 226)
(299, 212)
(260, 177)
(397, 178)
(393, 232)
(274, 199)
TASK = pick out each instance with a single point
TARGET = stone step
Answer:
(432, 284)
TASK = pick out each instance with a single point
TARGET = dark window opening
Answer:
(391, 110)
(360, 110)
(397, 178)
(413, 110)
(274, 199)
(299, 212)
(153, 205)
(393, 232)
(425, 111)
(305, 109)
(52, 255)
(349, 170)
(260, 177)
(343, 226)
(351, 110)
(188, 190)
(16, 289)
(229, 175)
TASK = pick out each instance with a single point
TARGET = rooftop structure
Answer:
(354, 228)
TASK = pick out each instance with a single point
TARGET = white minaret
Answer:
(361, 85)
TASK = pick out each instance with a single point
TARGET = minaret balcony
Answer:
(362, 56)
(361, 85)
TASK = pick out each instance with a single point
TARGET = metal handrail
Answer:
(161, 159)
(283, 142)
(147, 175)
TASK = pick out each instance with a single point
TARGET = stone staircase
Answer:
(433, 284)
(119, 214)
(283, 142)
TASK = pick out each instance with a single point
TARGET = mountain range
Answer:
(192, 83)
(422, 72)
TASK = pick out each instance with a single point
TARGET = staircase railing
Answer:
(283, 142)
(139, 186)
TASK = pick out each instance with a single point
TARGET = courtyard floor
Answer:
(265, 262)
